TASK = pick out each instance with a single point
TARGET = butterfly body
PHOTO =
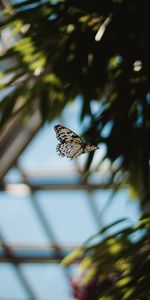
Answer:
(71, 145)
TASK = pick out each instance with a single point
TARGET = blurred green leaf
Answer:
(116, 267)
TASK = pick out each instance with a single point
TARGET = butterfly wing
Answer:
(64, 134)
(70, 149)
(71, 145)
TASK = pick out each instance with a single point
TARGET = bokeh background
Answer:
(85, 66)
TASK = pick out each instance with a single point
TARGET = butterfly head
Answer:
(89, 148)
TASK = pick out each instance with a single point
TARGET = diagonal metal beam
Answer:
(15, 139)
(9, 256)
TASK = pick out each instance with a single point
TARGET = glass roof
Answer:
(56, 215)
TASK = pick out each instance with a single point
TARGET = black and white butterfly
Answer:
(71, 145)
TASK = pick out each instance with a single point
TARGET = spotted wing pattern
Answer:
(70, 150)
(71, 145)
(64, 134)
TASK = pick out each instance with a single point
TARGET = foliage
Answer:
(56, 56)
(96, 49)
(117, 267)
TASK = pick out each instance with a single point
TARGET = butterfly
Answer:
(71, 145)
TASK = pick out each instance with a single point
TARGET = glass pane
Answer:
(69, 214)
(13, 176)
(18, 220)
(47, 281)
(10, 285)
(113, 207)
